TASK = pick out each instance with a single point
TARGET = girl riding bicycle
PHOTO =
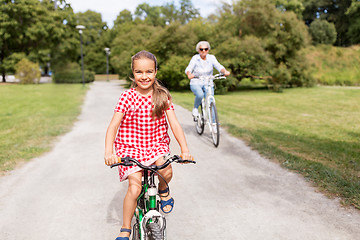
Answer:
(202, 65)
(139, 129)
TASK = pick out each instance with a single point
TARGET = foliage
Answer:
(93, 41)
(31, 27)
(27, 71)
(322, 32)
(353, 12)
(171, 73)
(262, 39)
(245, 57)
(334, 65)
(71, 73)
(295, 6)
(334, 12)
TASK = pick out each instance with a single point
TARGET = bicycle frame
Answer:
(209, 114)
(147, 209)
(206, 105)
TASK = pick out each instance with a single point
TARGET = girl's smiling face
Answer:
(144, 75)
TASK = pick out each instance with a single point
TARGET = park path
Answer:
(231, 193)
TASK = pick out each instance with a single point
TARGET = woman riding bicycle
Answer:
(202, 65)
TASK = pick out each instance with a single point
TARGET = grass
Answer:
(312, 131)
(32, 116)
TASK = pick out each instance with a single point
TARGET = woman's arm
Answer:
(178, 134)
(190, 68)
(219, 67)
(109, 157)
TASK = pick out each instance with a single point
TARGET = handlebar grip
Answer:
(185, 161)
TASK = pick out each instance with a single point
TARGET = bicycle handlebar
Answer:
(128, 161)
(216, 76)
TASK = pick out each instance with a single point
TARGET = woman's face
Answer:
(203, 50)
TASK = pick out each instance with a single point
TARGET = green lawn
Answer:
(314, 131)
(32, 116)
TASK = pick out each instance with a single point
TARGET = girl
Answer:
(140, 127)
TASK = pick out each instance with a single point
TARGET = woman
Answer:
(201, 65)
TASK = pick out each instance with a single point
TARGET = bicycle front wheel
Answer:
(214, 124)
(199, 121)
(155, 232)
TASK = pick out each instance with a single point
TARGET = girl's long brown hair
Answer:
(161, 98)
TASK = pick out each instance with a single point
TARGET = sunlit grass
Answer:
(313, 131)
(32, 116)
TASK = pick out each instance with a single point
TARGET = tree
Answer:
(124, 16)
(295, 6)
(150, 15)
(322, 32)
(30, 27)
(332, 11)
(187, 11)
(353, 13)
(263, 38)
(94, 55)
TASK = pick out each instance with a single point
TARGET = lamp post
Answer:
(80, 28)
(107, 50)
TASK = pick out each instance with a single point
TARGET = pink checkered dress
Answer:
(139, 136)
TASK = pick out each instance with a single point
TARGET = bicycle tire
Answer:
(214, 124)
(136, 233)
(154, 231)
(199, 123)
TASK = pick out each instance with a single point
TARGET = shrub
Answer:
(244, 58)
(71, 73)
(27, 72)
(74, 77)
(322, 32)
(172, 73)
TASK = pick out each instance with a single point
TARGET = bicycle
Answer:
(207, 111)
(150, 223)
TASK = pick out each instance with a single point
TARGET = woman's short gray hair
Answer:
(202, 43)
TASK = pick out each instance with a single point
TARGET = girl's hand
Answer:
(111, 159)
(186, 156)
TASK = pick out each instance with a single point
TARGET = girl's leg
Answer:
(167, 174)
(199, 94)
(130, 201)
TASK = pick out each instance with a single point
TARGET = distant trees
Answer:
(255, 39)
(322, 32)
(29, 28)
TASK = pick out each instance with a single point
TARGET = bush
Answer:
(244, 57)
(74, 77)
(27, 72)
(71, 73)
(172, 73)
(322, 32)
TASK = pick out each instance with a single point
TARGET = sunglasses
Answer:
(203, 49)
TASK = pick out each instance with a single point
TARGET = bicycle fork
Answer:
(152, 215)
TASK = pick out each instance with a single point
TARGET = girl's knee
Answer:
(134, 190)
(167, 172)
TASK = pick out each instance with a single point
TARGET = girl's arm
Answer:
(109, 156)
(178, 134)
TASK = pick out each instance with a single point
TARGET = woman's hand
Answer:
(226, 72)
(111, 159)
(190, 75)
